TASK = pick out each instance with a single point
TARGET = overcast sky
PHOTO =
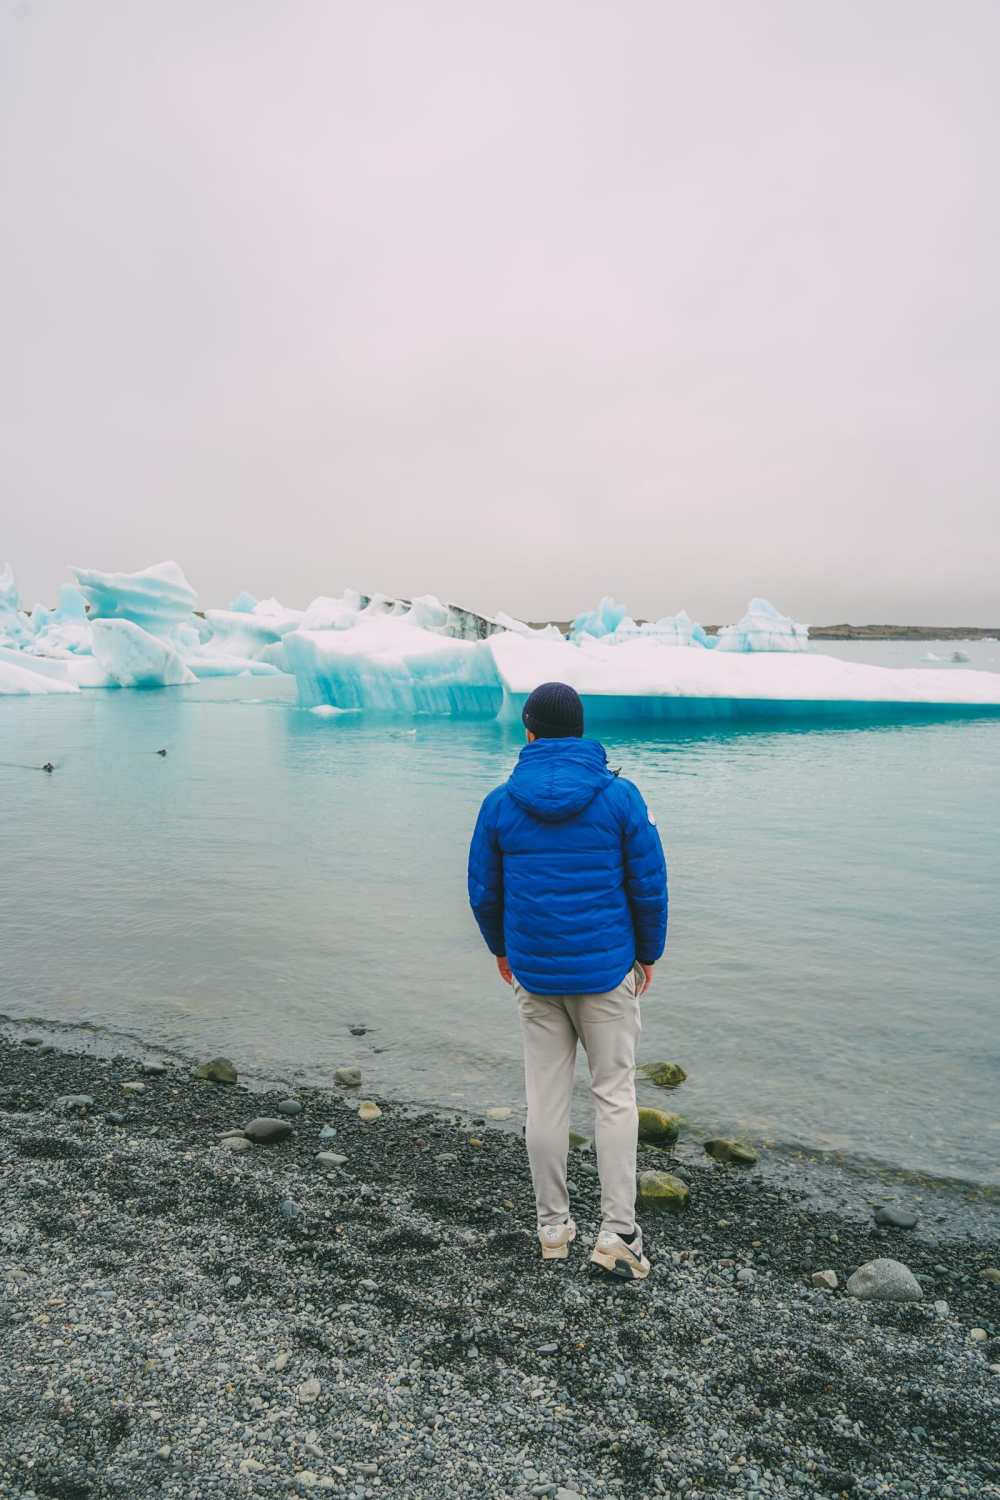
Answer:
(517, 302)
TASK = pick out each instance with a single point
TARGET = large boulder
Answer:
(217, 1070)
(884, 1280)
(666, 1075)
(734, 1153)
(659, 1127)
(663, 1190)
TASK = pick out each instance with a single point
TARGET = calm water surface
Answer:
(831, 976)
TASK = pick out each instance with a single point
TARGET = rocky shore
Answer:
(357, 1307)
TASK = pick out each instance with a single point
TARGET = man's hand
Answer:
(503, 969)
(647, 969)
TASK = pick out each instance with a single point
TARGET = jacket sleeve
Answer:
(645, 878)
(486, 877)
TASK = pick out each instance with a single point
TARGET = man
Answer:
(568, 883)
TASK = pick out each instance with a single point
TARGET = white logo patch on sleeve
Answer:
(649, 815)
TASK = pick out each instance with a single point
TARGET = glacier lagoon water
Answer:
(831, 978)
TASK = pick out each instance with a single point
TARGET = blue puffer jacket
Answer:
(566, 872)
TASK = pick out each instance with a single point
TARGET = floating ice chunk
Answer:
(763, 628)
(278, 616)
(332, 614)
(204, 664)
(959, 656)
(244, 603)
(603, 620)
(64, 631)
(388, 664)
(158, 599)
(131, 657)
(235, 632)
(20, 674)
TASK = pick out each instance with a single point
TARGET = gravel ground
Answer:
(180, 1320)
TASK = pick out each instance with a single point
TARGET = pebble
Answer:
(251, 1466)
(308, 1390)
(289, 1209)
(289, 1107)
(446, 1156)
(548, 1349)
(992, 1273)
(827, 1280)
(133, 1088)
(978, 1335)
(746, 1276)
(115, 1117)
(895, 1218)
(884, 1280)
(498, 1112)
(281, 1360)
(267, 1130)
(348, 1078)
(942, 1309)
(154, 1067)
(368, 1110)
(31, 1041)
(163, 1452)
(330, 1159)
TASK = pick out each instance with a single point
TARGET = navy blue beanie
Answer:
(554, 711)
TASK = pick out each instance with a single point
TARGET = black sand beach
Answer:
(182, 1320)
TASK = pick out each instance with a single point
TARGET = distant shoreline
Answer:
(863, 632)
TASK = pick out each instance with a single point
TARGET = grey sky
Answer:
(514, 303)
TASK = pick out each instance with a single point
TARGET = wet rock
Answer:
(884, 1280)
(289, 1107)
(133, 1088)
(330, 1159)
(357, 1030)
(289, 1209)
(328, 1133)
(267, 1131)
(31, 1041)
(115, 1117)
(666, 1075)
(826, 1280)
(154, 1067)
(663, 1190)
(734, 1153)
(348, 1078)
(308, 1390)
(895, 1218)
(368, 1110)
(237, 1143)
(658, 1127)
(73, 1104)
(978, 1335)
(579, 1142)
(992, 1273)
(217, 1070)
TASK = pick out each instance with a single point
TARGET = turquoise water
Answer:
(831, 977)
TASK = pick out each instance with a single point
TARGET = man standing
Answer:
(568, 883)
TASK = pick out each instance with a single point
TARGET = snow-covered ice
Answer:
(130, 657)
(158, 598)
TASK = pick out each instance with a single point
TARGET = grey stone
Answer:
(308, 1390)
(884, 1280)
(330, 1159)
(826, 1280)
(348, 1078)
(115, 1117)
(289, 1209)
(31, 1041)
(895, 1218)
(72, 1104)
(289, 1107)
(942, 1309)
(236, 1143)
(992, 1273)
(328, 1133)
(154, 1067)
(548, 1349)
(267, 1131)
(746, 1276)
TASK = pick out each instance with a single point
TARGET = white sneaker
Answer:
(556, 1239)
(620, 1257)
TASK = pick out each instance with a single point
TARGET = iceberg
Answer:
(391, 664)
(157, 599)
(244, 603)
(65, 630)
(15, 627)
(20, 674)
(604, 620)
(763, 628)
(131, 657)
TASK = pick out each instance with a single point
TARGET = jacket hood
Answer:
(556, 779)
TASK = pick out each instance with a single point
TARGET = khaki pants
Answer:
(608, 1026)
